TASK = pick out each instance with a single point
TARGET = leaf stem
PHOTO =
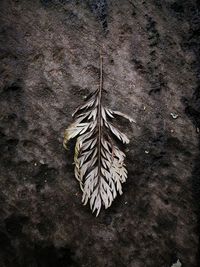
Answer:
(101, 75)
(99, 117)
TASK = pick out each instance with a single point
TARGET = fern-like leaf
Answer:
(99, 163)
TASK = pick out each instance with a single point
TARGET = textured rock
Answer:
(49, 52)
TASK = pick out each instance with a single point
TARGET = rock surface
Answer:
(49, 52)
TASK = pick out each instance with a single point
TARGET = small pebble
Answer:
(146, 152)
(177, 264)
(174, 115)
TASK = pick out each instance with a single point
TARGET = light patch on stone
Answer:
(177, 264)
(174, 115)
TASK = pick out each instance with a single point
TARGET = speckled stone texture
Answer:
(49, 52)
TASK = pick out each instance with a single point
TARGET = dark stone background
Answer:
(49, 52)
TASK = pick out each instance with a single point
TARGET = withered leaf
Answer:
(99, 163)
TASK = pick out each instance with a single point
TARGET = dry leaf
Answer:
(99, 163)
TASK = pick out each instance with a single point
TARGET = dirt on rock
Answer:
(49, 52)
